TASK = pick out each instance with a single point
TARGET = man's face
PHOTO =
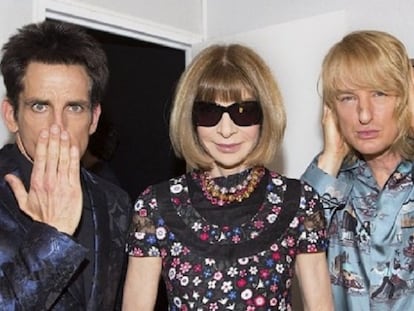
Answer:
(366, 119)
(53, 94)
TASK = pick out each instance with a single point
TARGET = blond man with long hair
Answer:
(364, 173)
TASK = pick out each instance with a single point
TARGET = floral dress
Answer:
(234, 257)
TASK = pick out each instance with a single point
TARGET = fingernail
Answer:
(64, 135)
(44, 133)
(54, 129)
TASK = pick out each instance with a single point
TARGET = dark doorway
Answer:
(137, 104)
(138, 101)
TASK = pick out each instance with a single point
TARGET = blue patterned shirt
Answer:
(371, 236)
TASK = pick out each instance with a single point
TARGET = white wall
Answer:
(233, 16)
(183, 14)
(13, 14)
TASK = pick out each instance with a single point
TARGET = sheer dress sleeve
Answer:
(311, 223)
(146, 224)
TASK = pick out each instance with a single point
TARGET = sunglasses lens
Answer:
(243, 114)
(206, 114)
(246, 113)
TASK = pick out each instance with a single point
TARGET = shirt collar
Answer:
(405, 167)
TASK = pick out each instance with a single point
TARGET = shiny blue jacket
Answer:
(38, 264)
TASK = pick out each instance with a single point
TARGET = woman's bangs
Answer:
(224, 84)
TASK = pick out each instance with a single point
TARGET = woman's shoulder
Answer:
(168, 183)
(164, 188)
(281, 180)
(291, 188)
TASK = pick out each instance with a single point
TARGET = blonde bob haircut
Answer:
(226, 73)
(377, 61)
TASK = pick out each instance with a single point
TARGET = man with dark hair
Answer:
(62, 229)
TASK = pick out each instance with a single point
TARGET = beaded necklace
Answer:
(222, 195)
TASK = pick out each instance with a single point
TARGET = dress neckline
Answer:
(267, 213)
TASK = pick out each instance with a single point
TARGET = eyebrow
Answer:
(31, 101)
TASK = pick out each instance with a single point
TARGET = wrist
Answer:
(330, 162)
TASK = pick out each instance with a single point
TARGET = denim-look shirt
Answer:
(371, 236)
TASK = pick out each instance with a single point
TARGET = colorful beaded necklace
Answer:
(222, 195)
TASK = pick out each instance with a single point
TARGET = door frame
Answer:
(120, 24)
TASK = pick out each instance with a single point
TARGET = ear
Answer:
(96, 112)
(8, 112)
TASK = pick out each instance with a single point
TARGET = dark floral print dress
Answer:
(234, 257)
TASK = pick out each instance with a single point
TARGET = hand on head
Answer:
(335, 148)
(55, 195)
(333, 140)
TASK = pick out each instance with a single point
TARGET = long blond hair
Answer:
(372, 60)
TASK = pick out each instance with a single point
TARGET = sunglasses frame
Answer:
(231, 110)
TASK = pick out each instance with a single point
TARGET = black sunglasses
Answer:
(245, 113)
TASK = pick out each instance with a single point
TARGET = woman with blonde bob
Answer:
(229, 234)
